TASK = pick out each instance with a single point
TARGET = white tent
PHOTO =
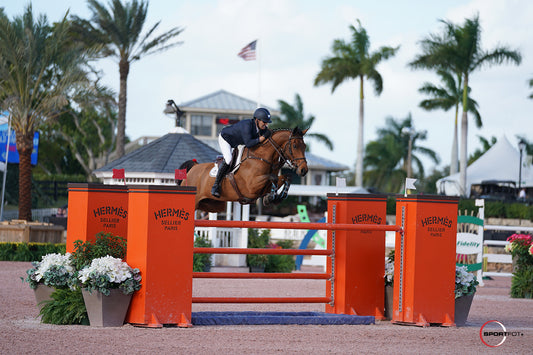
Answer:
(500, 162)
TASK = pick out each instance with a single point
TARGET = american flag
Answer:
(248, 52)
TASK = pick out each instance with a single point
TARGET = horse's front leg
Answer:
(278, 190)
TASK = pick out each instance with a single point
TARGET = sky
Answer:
(294, 36)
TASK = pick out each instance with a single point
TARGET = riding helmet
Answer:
(263, 115)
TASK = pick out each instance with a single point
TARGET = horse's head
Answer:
(294, 151)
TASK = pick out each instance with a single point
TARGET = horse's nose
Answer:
(303, 171)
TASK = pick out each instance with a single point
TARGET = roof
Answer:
(164, 155)
(222, 100)
(319, 163)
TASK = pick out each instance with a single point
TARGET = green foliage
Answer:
(280, 263)
(105, 244)
(256, 240)
(28, 251)
(522, 283)
(201, 262)
(65, 307)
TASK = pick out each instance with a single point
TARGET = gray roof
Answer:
(319, 163)
(222, 100)
(164, 155)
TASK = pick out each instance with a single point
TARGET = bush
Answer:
(28, 251)
(201, 262)
(280, 263)
(105, 244)
(256, 240)
(65, 307)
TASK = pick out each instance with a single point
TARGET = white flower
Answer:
(50, 260)
(114, 268)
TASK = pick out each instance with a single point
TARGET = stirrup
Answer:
(215, 191)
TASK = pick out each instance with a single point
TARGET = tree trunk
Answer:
(464, 137)
(24, 148)
(455, 159)
(124, 69)
(360, 143)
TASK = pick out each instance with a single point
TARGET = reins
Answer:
(283, 159)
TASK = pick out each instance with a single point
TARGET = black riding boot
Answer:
(222, 170)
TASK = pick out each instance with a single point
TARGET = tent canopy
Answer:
(501, 163)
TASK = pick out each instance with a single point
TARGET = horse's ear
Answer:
(305, 131)
(298, 132)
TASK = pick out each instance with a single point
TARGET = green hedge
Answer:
(28, 251)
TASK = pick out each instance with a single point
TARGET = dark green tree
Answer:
(353, 60)
(445, 97)
(458, 49)
(120, 30)
(293, 116)
(39, 66)
(386, 158)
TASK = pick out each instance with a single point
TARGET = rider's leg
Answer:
(224, 167)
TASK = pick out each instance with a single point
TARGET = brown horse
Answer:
(257, 174)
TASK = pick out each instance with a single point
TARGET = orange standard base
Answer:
(155, 323)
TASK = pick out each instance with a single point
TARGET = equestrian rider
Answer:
(249, 132)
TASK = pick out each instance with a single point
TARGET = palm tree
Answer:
(119, 30)
(386, 158)
(293, 116)
(530, 82)
(459, 50)
(445, 97)
(39, 65)
(352, 60)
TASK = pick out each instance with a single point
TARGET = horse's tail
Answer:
(188, 164)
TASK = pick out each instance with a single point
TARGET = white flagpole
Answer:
(258, 54)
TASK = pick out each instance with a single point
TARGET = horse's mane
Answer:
(297, 131)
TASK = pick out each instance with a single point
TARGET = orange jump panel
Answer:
(95, 208)
(359, 255)
(160, 244)
(424, 267)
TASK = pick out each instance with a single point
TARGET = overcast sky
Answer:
(294, 36)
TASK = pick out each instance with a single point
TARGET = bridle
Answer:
(284, 157)
(289, 159)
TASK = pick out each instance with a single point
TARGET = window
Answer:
(201, 125)
(223, 121)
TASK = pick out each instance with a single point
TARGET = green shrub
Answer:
(105, 244)
(281, 263)
(256, 240)
(65, 307)
(201, 262)
(28, 251)
(522, 283)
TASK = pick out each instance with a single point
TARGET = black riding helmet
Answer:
(263, 115)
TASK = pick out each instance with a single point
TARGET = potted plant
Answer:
(465, 288)
(107, 286)
(521, 248)
(389, 284)
(53, 271)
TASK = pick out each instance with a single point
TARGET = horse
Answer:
(256, 175)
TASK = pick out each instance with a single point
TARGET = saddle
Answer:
(236, 158)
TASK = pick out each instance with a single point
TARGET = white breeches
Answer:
(225, 148)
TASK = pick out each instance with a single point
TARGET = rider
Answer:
(249, 132)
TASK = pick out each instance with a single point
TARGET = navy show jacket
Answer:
(243, 132)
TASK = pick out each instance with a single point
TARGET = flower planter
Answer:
(106, 311)
(462, 308)
(43, 293)
(389, 291)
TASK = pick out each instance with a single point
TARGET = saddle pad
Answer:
(213, 172)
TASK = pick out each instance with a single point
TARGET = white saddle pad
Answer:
(213, 172)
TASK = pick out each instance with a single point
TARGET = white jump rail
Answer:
(501, 258)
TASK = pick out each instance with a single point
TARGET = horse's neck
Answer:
(269, 151)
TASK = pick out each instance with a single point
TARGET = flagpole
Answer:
(258, 73)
